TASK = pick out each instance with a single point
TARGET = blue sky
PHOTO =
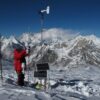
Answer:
(18, 16)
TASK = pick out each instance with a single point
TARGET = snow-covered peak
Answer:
(12, 39)
(25, 37)
(95, 39)
(6, 42)
(89, 38)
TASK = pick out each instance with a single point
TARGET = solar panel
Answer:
(40, 74)
(43, 67)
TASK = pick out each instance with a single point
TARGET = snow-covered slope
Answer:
(80, 83)
(85, 49)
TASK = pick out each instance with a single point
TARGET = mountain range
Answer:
(57, 47)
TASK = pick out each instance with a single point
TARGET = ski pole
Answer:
(28, 62)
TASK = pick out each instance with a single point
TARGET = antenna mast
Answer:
(42, 12)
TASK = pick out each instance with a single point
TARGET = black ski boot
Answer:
(21, 79)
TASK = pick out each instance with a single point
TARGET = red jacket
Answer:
(18, 55)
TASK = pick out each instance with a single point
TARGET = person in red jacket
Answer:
(19, 55)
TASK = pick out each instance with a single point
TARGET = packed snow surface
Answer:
(75, 83)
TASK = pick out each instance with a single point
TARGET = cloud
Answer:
(58, 33)
(50, 35)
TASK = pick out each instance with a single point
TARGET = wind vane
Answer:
(47, 10)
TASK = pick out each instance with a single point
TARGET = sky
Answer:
(19, 16)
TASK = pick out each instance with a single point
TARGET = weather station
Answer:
(41, 68)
